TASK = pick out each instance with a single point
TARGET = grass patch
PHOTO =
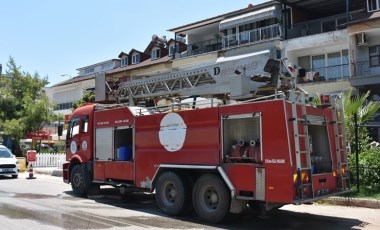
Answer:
(365, 192)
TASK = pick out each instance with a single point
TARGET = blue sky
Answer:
(57, 37)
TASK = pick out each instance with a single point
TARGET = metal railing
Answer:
(206, 46)
(329, 73)
(363, 68)
(318, 26)
(252, 36)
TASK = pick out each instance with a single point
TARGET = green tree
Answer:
(24, 106)
(88, 97)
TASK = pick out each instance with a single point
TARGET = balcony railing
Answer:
(252, 36)
(363, 68)
(317, 26)
(206, 46)
(329, 73)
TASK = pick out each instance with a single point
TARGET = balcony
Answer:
(206, 46)
(317, 26)
(324, 74)
(363, 68)
(252, 36)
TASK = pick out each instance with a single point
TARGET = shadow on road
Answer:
(279, 219)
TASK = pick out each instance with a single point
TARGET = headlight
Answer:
(17, 162)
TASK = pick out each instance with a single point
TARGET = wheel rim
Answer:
(77, 179)
(170, 193)
(210, 199)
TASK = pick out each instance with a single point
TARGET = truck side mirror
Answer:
(60, 130)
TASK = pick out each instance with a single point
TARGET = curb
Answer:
(349, 201)
(52, 172)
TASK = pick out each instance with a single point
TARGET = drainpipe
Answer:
(175, 45)
(286, 21)
(348, 10)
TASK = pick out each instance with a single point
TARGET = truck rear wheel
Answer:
(78, 180)
(173, 195)
(211, 199)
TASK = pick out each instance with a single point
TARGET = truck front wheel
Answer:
(211, 199)
(78, 180)
(173, 196)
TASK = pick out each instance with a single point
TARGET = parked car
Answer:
(9, 164)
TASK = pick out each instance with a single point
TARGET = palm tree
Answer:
(365, 111)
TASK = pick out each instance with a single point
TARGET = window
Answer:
(107, 66)
(318, 64)
(85, 124)
(374, 56)
(171, 49)
(63, 106)
(330, 66)
(135, 58)
(73, 128)
(89, 70)
(373, 5)
(124, 61)
(156, 53)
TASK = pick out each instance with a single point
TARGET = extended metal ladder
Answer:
(340, 144)
(303, 160)
(166, 84)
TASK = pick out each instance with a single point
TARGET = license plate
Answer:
(6, 170)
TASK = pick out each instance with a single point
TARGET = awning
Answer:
(265, 13)
(243, 56)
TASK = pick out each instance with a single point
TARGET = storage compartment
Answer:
(241, 138)
(123, 143)
(320, 151)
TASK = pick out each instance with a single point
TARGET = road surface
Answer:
(48, 203)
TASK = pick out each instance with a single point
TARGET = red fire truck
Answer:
(264, 152)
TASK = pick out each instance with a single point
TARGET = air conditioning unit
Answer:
(361, 39)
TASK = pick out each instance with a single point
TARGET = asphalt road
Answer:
(48, 203)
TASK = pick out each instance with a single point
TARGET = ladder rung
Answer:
(305, 184)
(301, 169)
(303, 151)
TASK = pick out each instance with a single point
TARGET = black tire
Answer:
(14, 176)
(78, 180)
(173, 195)
(211, 198)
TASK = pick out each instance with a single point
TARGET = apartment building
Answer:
(331, 45)
(313, 38)
(64, 94)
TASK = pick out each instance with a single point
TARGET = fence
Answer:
(50, 160)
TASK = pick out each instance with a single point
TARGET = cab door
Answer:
(79, 139)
